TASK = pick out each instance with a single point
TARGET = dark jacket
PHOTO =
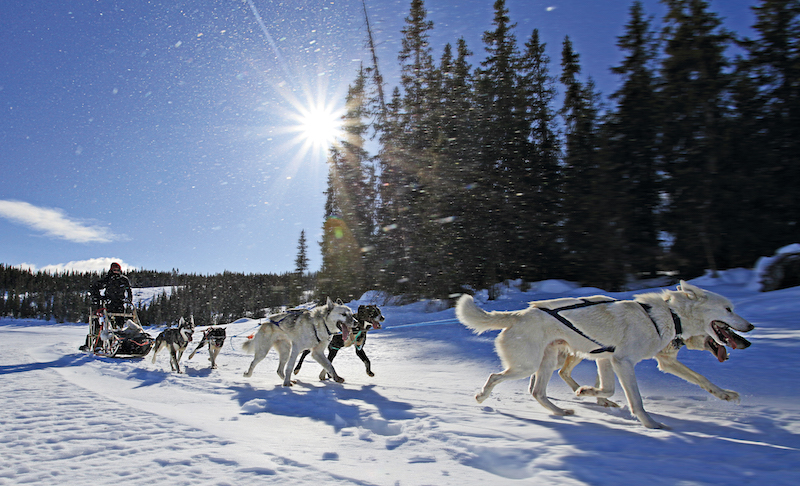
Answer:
(117, 286)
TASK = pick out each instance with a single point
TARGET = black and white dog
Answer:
(368, 317)
(215, 337)
(176, 339)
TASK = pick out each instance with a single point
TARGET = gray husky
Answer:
(615, 333)
(295, 331)
(176, 339)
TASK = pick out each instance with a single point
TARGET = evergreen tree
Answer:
(503, 141)
(631, 133)
(586, 229)
(301, 266)
(765, 143)
(455, 224)
(694, 91)
(349, 225)
(405, 160)
(540, 204)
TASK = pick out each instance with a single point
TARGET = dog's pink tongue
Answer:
(345, 331)
(722, 354)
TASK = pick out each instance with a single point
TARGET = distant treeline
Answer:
(211, 299)
(504, 170)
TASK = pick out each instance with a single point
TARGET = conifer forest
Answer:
(500, 161)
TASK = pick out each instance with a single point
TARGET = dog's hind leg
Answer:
(627, 378)
(260, 353)
(565, 372)
(566, 361)
(300, 361)
(497, 378)
(173, 356)
(332, 352)
(361, 354)
(548, 365)
(604, 385)
(287, 377)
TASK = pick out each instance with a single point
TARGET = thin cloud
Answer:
(92, 265)
(54, 223)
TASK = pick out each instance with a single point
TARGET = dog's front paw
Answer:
(339, 379)
(727, 395)
(370, 373)
(586, 391)
(480, 397)
(607, 403)
(248, 374)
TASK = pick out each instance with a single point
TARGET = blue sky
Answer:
(169, 135)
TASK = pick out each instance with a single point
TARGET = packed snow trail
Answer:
(72, 418)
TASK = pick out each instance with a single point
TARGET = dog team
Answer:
(549, 335)
(310, 331)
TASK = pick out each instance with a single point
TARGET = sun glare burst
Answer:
(318, 126)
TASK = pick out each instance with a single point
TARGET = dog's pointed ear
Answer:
(692, 292)
(330, 303)
(180, 321)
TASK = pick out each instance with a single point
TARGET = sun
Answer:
(318, 126)
(321, 126)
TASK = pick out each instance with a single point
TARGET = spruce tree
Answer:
(631, 133)
(585, 223)
(502, 136)
(301, 266)
(694, 91)
(540, 203)
(766, 139)
(406, 161)
(348, 230)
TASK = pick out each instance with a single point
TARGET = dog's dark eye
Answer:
(728, 309)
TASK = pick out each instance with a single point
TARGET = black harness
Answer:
(585, 303)
(293, 314)
(676, 320)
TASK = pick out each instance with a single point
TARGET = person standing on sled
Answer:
(117, 291)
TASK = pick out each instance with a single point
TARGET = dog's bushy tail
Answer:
(478, 319)
(156, 347)
(247, 346)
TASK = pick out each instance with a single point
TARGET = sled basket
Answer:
(107, 338)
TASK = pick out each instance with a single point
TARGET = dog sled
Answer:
(117, 334)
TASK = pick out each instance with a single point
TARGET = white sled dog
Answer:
(293, 332)
(668, 362)
(616, 333)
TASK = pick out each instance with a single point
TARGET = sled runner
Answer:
(107, 337)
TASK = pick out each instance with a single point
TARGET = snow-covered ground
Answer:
(72, 418)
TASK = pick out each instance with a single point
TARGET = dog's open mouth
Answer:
(375, 324)
(345, 330)
(719, 351)
(727, 336)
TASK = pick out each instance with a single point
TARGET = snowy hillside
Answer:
(71, 418)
